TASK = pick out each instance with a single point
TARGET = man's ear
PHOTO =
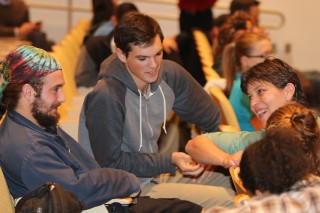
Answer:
(121, 55)
(289, 91)
(28, 92)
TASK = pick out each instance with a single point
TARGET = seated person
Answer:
(249, 6)
(269, 85)
(122, 118)
(277, 172)
(96, 49)
(248, 50)
(101, 23)
(15, 22)
(33, 149)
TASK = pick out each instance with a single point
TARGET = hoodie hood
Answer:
(113, 67)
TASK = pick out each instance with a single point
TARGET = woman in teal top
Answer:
(241, 105)
(269, 86)
(248, 50)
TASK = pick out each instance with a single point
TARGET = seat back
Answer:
(234, 172)
(206, 55)
(228, 115)
(6, 201)
(241, 191)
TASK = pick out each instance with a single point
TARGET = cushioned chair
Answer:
(6, 201)
(241, 191)
(228, 115)
(206, 55)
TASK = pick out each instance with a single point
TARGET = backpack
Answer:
(49, 198)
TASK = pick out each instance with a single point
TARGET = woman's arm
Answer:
(204, 151)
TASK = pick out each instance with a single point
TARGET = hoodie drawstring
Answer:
(164, 115)
(164, 111)
(140, 121)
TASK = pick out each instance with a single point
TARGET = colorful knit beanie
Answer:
(24, 64)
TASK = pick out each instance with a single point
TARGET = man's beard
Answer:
(43, 117)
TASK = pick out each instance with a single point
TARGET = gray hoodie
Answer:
(124, 125)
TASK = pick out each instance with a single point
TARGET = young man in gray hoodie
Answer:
(121, 118)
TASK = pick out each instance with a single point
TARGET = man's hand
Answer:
(25, 29)
(186, 165)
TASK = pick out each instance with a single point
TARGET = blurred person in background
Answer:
(15, 22)
(101, 23)
(249, 6)
(249, 50)
(95, 50)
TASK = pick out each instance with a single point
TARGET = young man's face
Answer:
(45, 107)
(143, 63)
(265, 98)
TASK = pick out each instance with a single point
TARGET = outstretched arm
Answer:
(204, 151)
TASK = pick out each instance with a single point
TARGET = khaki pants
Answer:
(216, 190)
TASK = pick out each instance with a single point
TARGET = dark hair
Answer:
(102, 11)
(24, 65)
(11, 94)
(304, 123)
(221, 20)
(276, 72)
(243, 5)
(136, 29)
(274, 163)
(234, 26)
(123, 9)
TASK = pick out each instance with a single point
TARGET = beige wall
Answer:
(301, 29)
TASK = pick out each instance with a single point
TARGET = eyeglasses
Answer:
(264, 55)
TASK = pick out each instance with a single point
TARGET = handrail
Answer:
(69, 8)
(219, 6)
(263, 11)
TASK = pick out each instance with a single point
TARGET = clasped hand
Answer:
(232, 160)
(186, 165)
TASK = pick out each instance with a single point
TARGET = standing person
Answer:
(121, 118)
(33, 149)
(269, 85)
(193, 13)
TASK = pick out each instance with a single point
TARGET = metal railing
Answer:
(69, 8)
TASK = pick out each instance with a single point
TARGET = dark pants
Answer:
(161, 205)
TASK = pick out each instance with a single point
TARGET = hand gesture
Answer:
(186, 165)
(232, 160)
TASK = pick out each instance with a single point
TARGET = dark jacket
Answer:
(30, 156)
(92, 54)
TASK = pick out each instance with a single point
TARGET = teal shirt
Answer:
(241, 105)
(232, 142)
